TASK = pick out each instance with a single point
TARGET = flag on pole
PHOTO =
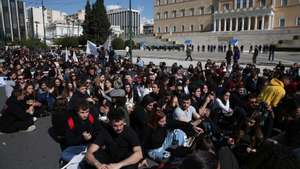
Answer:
(75, 59)
(66, 55)
(91, 48)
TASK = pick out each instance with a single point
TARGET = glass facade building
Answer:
(12, 20)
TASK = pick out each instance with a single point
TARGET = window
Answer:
(201, 10)
(238, 4)
(158, 16)
(157, 2)
(284, 2)
(166, 15)
(226, 7)
(250, 3)
(158, 29)
(192, 12)
(182, 28)
(174, 14)
(201, 27)
(244, 3)
(182, 12)
(281, 22)
(167, 29)
(263, 3)
(192, 28)
(298, 21)
(174, 29)
(211, 9)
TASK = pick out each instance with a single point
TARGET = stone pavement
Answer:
(171, 57)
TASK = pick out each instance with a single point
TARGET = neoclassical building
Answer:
(249, 15)
(183, 16)
(188, 16)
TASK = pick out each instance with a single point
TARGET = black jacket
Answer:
(15, 113)
(74, 130)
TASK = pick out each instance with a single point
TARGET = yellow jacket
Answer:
(272, 93)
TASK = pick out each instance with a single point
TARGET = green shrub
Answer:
(118, 44)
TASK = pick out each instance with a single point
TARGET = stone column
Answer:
(263, 22)
(215, 25)
(225, 24)
(220, 24)
(230, 28)
(249, 23)
(236, 24)
(270, 22)
(247, 3)
(243, 23)
(255, 23)
(235, 4)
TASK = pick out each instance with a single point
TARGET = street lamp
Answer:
(43, 9)
(36, 29)
(130, 30)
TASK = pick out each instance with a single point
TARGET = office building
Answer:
(120, 17)
(12, 20)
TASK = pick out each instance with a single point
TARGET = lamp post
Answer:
(36, 29)
(130, 31)
(43, 9)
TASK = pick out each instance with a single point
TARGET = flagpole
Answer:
(130, 31)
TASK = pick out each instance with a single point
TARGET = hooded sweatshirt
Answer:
(273, 93)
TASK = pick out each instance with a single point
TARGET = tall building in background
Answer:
(12, 20)
(120, 17)
(35, 22)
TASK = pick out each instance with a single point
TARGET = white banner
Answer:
(91, 48)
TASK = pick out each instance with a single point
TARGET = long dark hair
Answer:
(158, 115)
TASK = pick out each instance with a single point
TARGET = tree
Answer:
(67, 41)
(101, 22)
(118, 44)
(33, 44)
(87, 24)
(96, 26)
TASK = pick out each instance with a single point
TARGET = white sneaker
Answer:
(29, 129)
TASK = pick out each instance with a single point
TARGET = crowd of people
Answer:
(212, 116)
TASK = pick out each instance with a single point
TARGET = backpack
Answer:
(71, 123)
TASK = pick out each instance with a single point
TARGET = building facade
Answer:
(253, 15)
(35, 22)
(56, 23)
(58, 30)
(148, 29)
(120, 17)
(186, 16)
(182, 16)
(12, 20)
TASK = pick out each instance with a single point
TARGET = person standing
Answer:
(250, 49)
(228, 57)
(255, 54)
(271, 52)
(127, 51)
(236, 54)
(189, 53)
(111, 56)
